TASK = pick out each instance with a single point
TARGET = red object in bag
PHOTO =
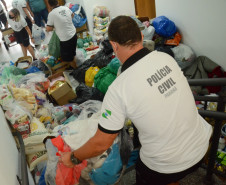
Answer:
(175, 41)
(65, 175)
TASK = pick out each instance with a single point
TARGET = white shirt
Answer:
(60, 18)
(20, 4)
(154, 94)
(17, 26)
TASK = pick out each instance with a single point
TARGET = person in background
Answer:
(3, 19)
(154, 94)
(60, 19)
(21, 5)
(22, 31)
(39, 9)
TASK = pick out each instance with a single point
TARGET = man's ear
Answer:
(114, 45)
(142, 36)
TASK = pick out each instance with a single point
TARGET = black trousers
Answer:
(146, 176)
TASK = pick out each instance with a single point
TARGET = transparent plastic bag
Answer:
(101, 11)
(42, 52)
(15, 111)
(51, 166)
(38, 34)
(89, 108)
(12, 73)
(80, 56)
(6, 97)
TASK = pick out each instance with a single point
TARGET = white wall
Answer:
(202, 24)
(9, 157)
(116, 7)
(9, 154)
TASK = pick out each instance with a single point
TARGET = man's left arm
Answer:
(49, 28)
(95, 146)
(50, 23)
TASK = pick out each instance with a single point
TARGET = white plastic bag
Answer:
(184, 55)
(148, 32)
(38, 34)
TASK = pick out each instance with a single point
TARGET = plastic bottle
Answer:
(221, 144)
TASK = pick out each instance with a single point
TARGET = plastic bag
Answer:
(30, 80)
(107, 47)
(80, 56)
(54, 46)
(101, 11)
(16, 113)
(164, 27)
(103, 79)
(85, 93)
(100, 20)
(38, 34)
(148, 32)
(79, 72)
(90, 74)
(79, 18)
(26, 98)
(80, 131)
(139, 23)
(109, 172)
(38, 133)
(3, 65)
(35, 159)
(42, 67)
(114, 65)
(43, 51)
(12, 73)
(149, 44)
(102, 59)
(6, 97)
(184, 55)
(175, 41)
(51, 166)
(89, 108)
(80, 43)
(65, 175)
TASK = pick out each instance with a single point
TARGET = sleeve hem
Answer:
(50, 25)
(108, 131)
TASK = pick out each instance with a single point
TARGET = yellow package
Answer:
(90, 74)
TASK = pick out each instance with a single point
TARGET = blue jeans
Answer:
(39, 16)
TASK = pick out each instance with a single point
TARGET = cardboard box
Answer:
(60, 67)
(82, 28)
(63, 94)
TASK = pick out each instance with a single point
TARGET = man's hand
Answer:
(65, 158)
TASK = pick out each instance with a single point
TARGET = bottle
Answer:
(221, 144)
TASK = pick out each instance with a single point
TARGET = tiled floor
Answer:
(15, 51)
(12, 54)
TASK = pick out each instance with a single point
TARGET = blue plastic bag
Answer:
(109, 172)
(32, 69)
(79, 18)
(164, 27)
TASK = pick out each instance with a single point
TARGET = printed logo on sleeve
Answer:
(106, 114)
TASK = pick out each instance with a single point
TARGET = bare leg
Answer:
(73, 63)
(31, 50)
(6, 25)
(24, 50)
